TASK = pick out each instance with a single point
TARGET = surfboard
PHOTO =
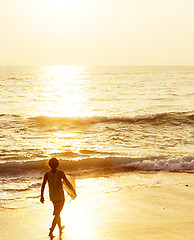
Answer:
(69, 190)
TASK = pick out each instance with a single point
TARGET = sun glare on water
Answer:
(63, 94)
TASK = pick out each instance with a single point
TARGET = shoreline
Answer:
(121, 207)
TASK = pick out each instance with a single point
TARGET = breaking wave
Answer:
(102, 165)
(160, 118)
(50, 123)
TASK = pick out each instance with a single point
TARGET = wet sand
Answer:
(131, 206)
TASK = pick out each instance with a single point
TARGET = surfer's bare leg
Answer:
(54, 222)
(59, 225)
(59, 222)
(58, 206)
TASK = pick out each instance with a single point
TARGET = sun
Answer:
(66, 7)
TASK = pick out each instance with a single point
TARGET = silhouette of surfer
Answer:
(56, 193)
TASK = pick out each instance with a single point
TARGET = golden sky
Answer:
(97, 32)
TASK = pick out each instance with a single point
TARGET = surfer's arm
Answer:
(67, 182)
(43, 187)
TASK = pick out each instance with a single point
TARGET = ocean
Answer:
(98, 121)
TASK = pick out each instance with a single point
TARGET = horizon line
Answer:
(98, 65)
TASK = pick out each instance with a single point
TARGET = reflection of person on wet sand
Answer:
(56, 193)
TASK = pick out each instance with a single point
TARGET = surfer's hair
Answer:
(53, 163)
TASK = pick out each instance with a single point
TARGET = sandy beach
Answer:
(121, 207)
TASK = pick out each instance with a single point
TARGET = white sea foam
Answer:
(169, 164)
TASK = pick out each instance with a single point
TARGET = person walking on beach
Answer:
(56, 193)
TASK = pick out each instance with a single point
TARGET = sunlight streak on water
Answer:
(63, 93)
